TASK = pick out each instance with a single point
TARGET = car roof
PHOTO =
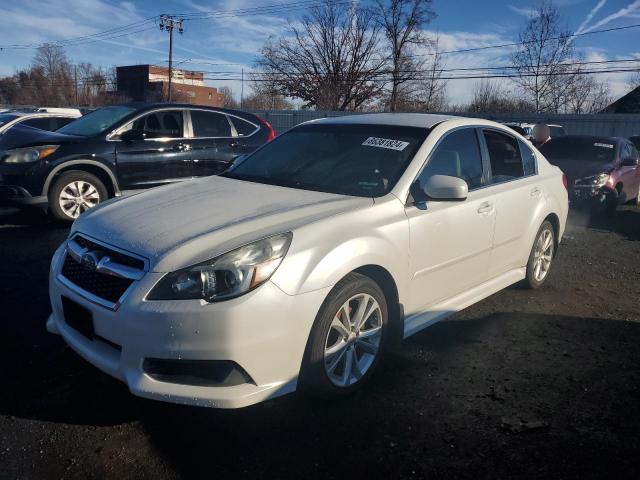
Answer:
(424, 120)
(587, 138)
(144, 106)
(41, 114)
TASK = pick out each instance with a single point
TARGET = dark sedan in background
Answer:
(120, 148)
(603, 171)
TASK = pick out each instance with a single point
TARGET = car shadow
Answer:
(625, 221)
(452, 386)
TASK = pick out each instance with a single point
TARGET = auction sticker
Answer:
(385, 143)
(603, 145)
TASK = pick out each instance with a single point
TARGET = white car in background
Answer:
(44, 120)
(554, 130)
(296, 267)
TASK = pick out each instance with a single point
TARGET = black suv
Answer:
(120, 148)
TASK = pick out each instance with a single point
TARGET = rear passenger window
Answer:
(504, 156)
(59, 122)
(210, 124)
(528, 159)
(458, 155)
(42, 123)
(243, 128)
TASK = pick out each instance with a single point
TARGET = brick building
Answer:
(150, 83)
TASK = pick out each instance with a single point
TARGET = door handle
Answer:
(234, 144)
(535, 192)
(486, 208)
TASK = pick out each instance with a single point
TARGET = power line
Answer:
(456, 77)
(515, 44)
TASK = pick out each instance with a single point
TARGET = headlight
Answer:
(227, 276)
(27, 155)
(599, 180)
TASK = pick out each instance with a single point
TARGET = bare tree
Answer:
(432, 88)
(633, 81)
(541, 59)
(588, 95)
(265, 96)
(228, 99)
(489, 96)
(402, 22)
(332, 60)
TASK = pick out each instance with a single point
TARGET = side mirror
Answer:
(444, 187)
(630, 162)
(132, 135)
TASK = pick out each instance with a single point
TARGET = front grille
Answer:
(104, 286)
(113, 254)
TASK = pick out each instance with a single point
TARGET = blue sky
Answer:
(235, 41)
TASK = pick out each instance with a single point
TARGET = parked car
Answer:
(119, 148)
(42, 120)
(602, 171)
(555, 130)
(297, 266)
(70, 111)
(635, 139)
(516, 127)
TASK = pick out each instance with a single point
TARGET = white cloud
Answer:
(527, 12)
(630, 10)
(590, 15)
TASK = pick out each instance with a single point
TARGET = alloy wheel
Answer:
(77, 197)
(353, 340)
(543, 255)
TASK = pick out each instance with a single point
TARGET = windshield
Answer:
(358, 160)
(6, 118)
(97, 121)
(602, 150)
(556, 131)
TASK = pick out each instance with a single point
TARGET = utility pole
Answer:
(168, 23)
(242, 90)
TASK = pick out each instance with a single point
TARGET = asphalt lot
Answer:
(527, 384)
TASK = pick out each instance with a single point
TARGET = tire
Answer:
(331, 349)
(541, 256)
(92, 192)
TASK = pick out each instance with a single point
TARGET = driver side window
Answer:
(458, 155)
(160, 124)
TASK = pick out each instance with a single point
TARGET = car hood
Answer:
(190, 222)
(575, 169)
(24, 136)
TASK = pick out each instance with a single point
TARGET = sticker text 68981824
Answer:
(385, 143)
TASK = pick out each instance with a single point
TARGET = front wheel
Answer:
(347, 337)
(73, 193)
(541, 256)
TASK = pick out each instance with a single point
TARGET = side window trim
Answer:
(234, 133)
(435, 148)
(485, 152)
(114, 133)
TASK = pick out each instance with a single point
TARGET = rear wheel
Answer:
(541, 256)
(347, 337)
(73, 193)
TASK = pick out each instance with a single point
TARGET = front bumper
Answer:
(264, 332)
(16, 196)
(588, 193)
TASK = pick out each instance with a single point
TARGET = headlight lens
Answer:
(227, 276)
(598, 180)
(27, 155)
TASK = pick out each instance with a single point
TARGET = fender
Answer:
(95, 163)
(312, 265)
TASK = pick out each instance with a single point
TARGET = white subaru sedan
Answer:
(300, 264)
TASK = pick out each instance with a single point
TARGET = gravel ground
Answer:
(527, 384)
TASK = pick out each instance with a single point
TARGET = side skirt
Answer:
(419, 321)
